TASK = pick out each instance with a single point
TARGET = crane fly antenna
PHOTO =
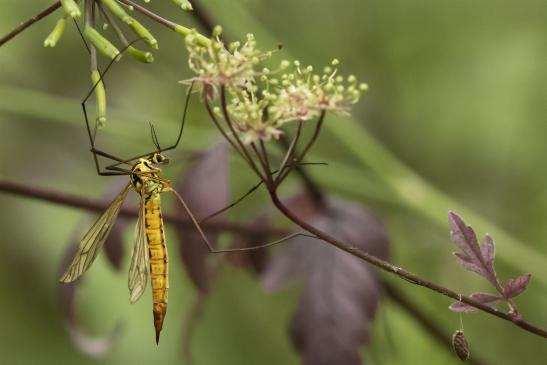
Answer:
(154, 136)
(183, 120)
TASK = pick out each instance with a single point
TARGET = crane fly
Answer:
(150, 250)
(145, 179)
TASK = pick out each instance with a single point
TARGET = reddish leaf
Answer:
(472, 257)
(483, 298)
(488, 250)
(205, 189)
(516, 286)
(340, 291)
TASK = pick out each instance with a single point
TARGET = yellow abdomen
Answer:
(158, 259)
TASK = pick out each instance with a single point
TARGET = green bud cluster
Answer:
(259, 100)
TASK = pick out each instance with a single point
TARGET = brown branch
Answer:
(24, 25)
(100, 206)
(402, 273)
(169, 24)
(424, 320)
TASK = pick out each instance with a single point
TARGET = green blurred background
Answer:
(457, 103)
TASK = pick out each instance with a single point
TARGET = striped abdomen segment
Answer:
(158, 259)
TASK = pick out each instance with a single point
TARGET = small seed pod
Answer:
(460, 345)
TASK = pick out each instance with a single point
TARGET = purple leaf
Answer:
(340, 293)
(517, 286)
(467, 264)
(472, 257)
(488, 250)
(483, 298)
(205, 188)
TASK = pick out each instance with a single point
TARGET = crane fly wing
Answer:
(94, 239)
(138, 271)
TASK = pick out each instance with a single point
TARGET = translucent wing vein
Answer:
(138, 271)
(94, 239)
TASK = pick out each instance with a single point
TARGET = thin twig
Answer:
(310, 185)
(284, 169)
(222, 131)
(262, 159)
(402, 273)
(169, 24)
(313, 138)
(228, 121)
(24, 25)
(100, 206)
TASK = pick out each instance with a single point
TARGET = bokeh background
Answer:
(455, 118)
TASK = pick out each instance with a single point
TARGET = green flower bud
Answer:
(71, 8)
(146, 57)
(199, 39)
(144, 33)
(183, 4)
(102, 44)
(56, 33)
(118, 11)
(217, 31)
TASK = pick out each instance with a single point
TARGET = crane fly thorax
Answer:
(145, 178)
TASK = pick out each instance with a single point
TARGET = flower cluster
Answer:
(259, 100)
(216, 65)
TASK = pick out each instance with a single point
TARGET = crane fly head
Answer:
(145, 173)
(158, 159)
